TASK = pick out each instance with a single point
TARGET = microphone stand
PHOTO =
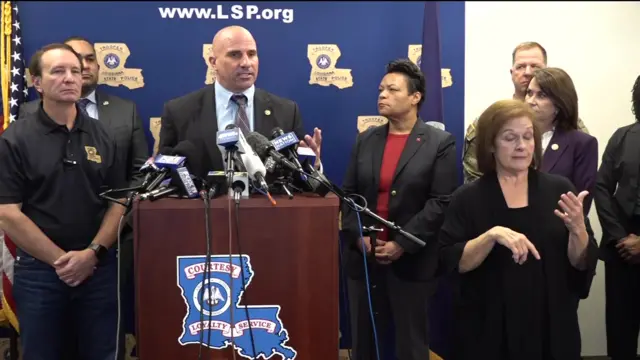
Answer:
(230, 165)
(386, 223)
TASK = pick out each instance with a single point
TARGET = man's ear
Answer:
(37, 83)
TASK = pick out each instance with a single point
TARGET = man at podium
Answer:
(232, 99)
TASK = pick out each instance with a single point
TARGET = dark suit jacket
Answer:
(425, 177)
(576, 158)
(617, 187)
(193, 117)
(122, 118)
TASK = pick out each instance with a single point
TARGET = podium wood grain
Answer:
(293, 248)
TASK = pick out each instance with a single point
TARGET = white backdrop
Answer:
(597, 44)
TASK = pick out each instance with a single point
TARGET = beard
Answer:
(87, 88)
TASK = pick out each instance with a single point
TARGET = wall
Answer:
(597, 44)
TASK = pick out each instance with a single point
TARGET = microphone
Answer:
(227, 141)
(158, 193)
(287, 144)
(264, 148)
(255, 167)
(217, 179)
(184, 176)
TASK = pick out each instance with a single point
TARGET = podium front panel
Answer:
(290, 266)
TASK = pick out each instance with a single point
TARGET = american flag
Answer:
(14, 93)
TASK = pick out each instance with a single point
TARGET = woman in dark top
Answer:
(406, 170)
(522, 245)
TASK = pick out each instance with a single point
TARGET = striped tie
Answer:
(82, 104)
(242, 121)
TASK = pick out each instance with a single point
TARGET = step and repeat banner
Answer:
(152, 52)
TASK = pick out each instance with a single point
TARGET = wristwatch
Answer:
(101, 251)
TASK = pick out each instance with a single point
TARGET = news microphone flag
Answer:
(14, 94)
(430, 64)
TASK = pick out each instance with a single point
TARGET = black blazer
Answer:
(500, 296)
(193, 117)
(122, 118)
(425, 177)
(617, 186)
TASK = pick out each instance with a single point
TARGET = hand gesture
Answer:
(573, 215)
(314, 143)
(519, 245)
(75, 267)
(629, 248)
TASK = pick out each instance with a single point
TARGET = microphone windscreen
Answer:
(230, 126)
(259, 143)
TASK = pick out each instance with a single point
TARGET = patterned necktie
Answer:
(82, 104)
(242, 121)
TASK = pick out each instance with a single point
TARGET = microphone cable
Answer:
(206, 274)
(118, 291)
(345, 292)
(231, 323)
(127, 207)
(244, 294)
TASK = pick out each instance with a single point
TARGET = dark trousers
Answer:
(622, 292)
(48, 310)
(125, 256)
(400, 315)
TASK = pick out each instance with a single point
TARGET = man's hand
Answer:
(388, 251)
(629, 248)
(75, 267)
(314, 143)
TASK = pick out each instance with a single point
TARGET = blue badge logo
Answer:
(419, 61)
(112, 61)
(220, 294)
(323, 61)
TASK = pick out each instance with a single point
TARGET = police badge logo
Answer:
(113, 57)
(415, 55)
(210, 76)
(367, 122)
(323, 59)
(216, 297)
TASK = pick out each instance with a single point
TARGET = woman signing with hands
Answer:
(522, 246)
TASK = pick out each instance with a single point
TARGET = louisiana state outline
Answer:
(215, 297)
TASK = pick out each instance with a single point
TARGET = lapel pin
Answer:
(554, 147)
(267, 112)
(418, 139)
(105, 103)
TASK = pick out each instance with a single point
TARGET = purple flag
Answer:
(430, 64)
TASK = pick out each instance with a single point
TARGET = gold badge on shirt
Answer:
(92, 154)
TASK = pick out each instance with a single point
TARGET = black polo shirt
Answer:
(57, 174)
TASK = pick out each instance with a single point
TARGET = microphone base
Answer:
(241, 179)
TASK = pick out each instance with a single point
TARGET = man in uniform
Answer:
(527, 57)
(55, 162)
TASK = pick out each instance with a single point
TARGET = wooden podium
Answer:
(292, 248)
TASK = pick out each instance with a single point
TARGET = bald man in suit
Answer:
(232, 99)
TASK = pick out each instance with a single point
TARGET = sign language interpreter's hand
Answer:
(519, 245)
(573, 215)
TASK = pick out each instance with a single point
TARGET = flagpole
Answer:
(6, 55)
